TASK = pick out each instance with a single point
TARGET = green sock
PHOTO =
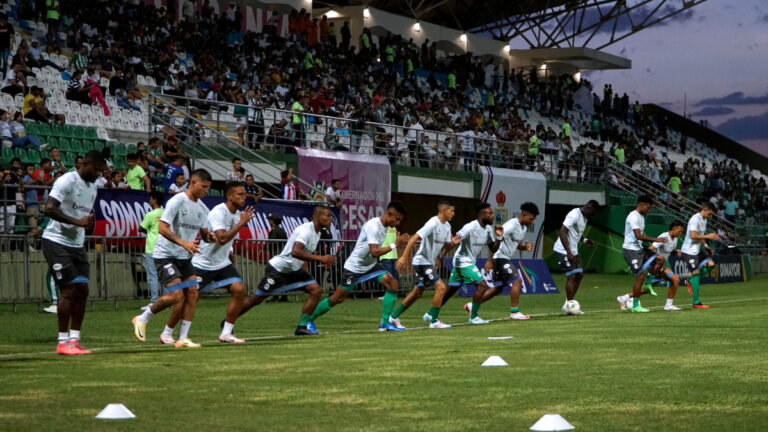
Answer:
(388, 305)
(434, 312)
(304, 320)
(322, 308)
(475, 308)
(704, 270)
(694, 281)
(514, 310)
(399, 311)
(635, 302)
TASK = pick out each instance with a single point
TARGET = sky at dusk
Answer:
(716, 53)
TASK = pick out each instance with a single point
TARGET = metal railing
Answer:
(117, 268)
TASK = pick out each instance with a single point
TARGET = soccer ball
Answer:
(572, 307)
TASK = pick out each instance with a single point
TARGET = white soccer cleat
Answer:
(439, 325)
(622, 305)
(477, 320)
(186, 343)
(230, 338)
(427, 317)
(519, 316)
(396, 322)
(167, 339)
(671, 308)
(468, 308)
(52, 309)
(146, 307)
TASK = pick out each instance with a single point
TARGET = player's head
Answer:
(199, 183)
(92, 167)
(528, 213)
(644, 204)
(156, 199)
(323, 216)
(484, 213)
(234, 192)
(445, 208)
(590, 208)
(707, 210)
(395, 214)
(676, 229)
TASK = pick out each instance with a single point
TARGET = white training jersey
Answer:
(634, 221)
(215, 256)
(514, 233)
(76, 197)
(576, 223)
(667, 247)
(434, 235)
(473, 238)
(185, 218)
(696, 223)
(361, 260)
(467, 141)
(304, 234)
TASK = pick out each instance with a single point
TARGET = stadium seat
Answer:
(21, 154)
(33, 156)
(77, 146)
(7, 154)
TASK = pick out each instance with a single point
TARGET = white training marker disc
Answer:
(500, 337)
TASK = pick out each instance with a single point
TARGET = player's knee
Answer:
(191, 294)
(314, 290)
(675, 280)
(389, 282)
(237, 290)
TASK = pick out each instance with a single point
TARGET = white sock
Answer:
(146, 315)
(625, 298)
(184, 329)
(63, 337)
(669, 302)
(74, 335)
(227, 329)
(168, 330)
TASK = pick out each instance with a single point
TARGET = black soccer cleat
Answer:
(303, 331)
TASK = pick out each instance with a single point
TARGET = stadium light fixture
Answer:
(366, 13)
(417, 26)
(331, 14)
(506, 49)
(463, 37)
(544, 66)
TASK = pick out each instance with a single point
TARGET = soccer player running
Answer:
(436, 241)
(213, 266)
(287, 271)
(362, 265)
(474, 236)
(504, 273)
(183, 218)
(567, 247)
(70, 207)
(698, 262)
(638, 258)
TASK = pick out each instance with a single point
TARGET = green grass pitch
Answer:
(695, 370)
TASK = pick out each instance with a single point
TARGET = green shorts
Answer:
(465, 275)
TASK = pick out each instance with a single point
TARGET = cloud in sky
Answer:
(736, 98)
(745, 128)
(713, 111)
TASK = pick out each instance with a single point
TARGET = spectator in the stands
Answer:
(6, 33)
(106, 153)
(124, 101)
(44, 177)
(154, 153)
(30, 196)
(14, 82)
(172, 150)
(253, 193)
(172, 170)
(35, 57)
(76, 91)
(136, 178)
(730, 205)
(14, 132)
(333, 194)
(80, 59)
(12, 179)
(116, 181)
(288, 187)
(237, 174)
(57, 165)
(35, 108)
(92, 80)
(179, 185)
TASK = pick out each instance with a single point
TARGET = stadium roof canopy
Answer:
(538, 23)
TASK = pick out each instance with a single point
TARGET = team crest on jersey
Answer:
(57, 267)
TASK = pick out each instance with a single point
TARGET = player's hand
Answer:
(328, 260)
(246, 215)
(529, 245)
(714, 236)
(499, 230)
(192, 247)
(571, 257)
(679, 252)
(590, 243)
(455, 240)
(402, 239)
(211, 238)
(438, 261)
(710, 251)
(488, 265)
(400, 264)
(84, 221)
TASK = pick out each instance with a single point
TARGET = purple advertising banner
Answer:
(536, 277)
(366, 182)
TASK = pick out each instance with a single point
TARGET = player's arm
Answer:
(164, 229)
(499, 231)
(377, 251)
(53, 211)
(207, 235)
(642, 237)
(704, 237)
(299, 252)
(525, 245)
(223, 236)
(402, 261)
